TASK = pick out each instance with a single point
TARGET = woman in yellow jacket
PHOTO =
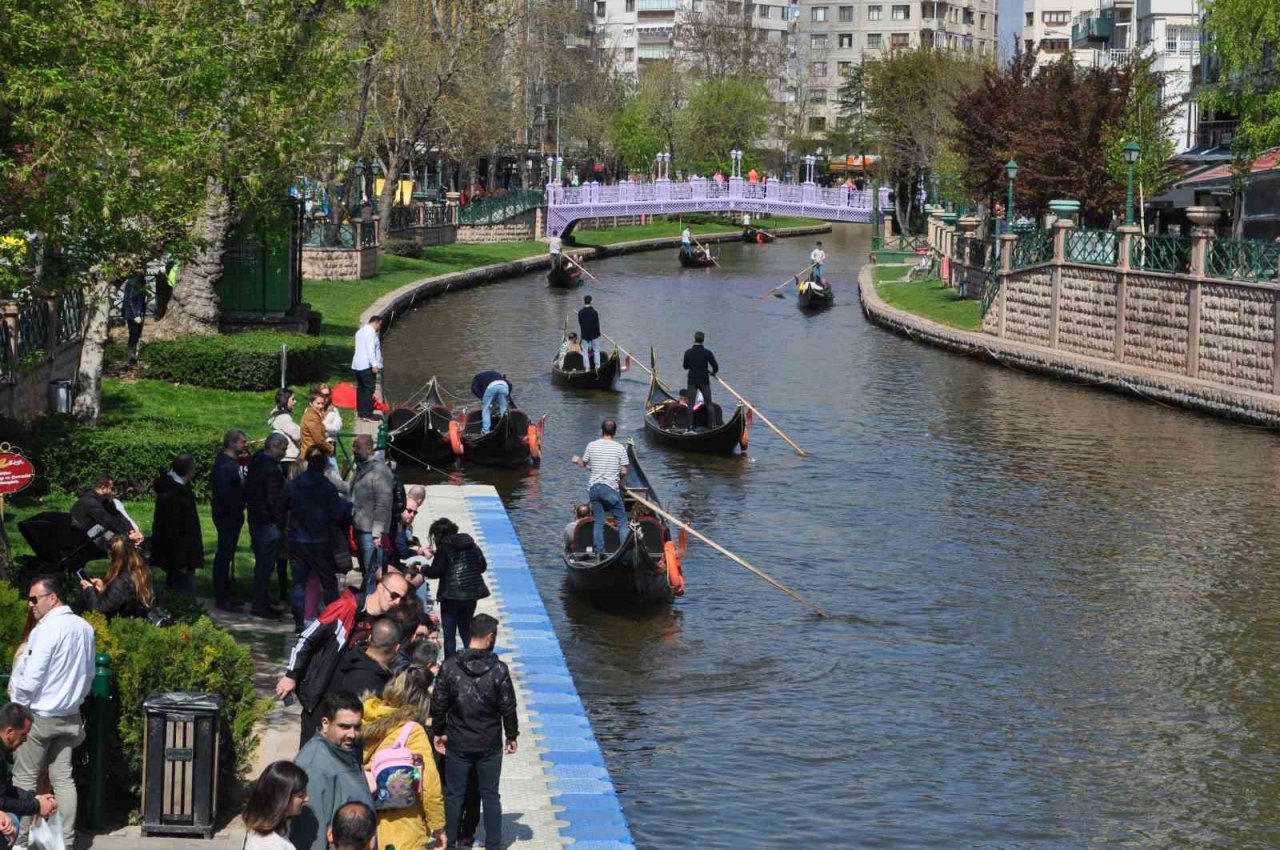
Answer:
(406, 699)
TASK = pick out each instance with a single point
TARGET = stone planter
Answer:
(1064, 209)
(1205, 217)
(968, 224)
(950, 219)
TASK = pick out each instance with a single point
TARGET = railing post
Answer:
(737, 187)
(1124, 248)
(1200, 237)
(1006, 266)
(1061, 232)
(102, 723)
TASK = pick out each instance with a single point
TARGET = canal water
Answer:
(1055, 609)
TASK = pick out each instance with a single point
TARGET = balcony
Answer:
(657, 5)
(1093, 30)
(1110, 58)
(654, 35)
(1215, 134)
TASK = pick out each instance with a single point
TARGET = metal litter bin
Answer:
(180, 763)
(60, 396)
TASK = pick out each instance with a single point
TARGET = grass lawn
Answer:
(928, 298)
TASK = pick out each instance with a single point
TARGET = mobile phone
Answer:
(289, 700)
(80, 574)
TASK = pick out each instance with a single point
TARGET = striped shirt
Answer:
(605, 459)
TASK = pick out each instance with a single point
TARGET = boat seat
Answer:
(651, 535)
(573, 362)
(583, 531)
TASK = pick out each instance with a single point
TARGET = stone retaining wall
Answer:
(521, 228)
(339, 263)
(1208, 396)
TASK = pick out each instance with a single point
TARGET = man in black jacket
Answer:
(589, 325)
(367, 669)
(264, 501)
(702, 366)
(472, 704)
(176, 538)
(226, 484)
(15, 726)
(95, 514)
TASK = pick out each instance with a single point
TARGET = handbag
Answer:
(159, 617)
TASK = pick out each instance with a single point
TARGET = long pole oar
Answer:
(634, 359)
(732, 557)
(763, 418)
(580, 268)
(704, 250)
(788, 281)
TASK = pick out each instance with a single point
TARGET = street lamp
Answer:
(1011, 169)
(736, 156)
(809, 160)
(360, 176)
(1131, 152)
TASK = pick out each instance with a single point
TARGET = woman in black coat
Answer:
(126, 591)
(460, 566)
(176, 542)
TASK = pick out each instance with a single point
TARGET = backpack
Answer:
(395, 774)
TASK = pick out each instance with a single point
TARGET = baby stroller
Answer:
(60, 546)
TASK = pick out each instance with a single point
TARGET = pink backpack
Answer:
(395, 773)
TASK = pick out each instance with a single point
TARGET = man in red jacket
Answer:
(344, 622)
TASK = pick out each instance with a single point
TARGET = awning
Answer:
(1266, 162)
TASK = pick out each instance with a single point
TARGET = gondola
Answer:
(513, 441)
(700, 259)
(703, 429)
(642, 569)
(565, 275)
(752, 234)
(815, 295)
(421, 434)
(575, 372)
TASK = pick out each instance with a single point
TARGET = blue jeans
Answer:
(488, 769)
(368, 551)
(591, 351)
(228, 539)
(497, 391)
(265, 540)
(605, 498)
(455, 615)
(817, 271)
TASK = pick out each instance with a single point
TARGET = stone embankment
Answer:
(1258, 408)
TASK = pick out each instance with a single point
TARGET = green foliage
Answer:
(402, 248)
(183, 609)
(1146, 119)
(635, 137)
(69, 454)
(247, 361)
(850, 133)
(723, 114)
(13, 622)
(1245, 38)
(928, 298)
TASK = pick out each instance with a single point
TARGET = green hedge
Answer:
(244, 361)
(70, 454)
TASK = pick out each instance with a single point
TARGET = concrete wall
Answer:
(339, 263)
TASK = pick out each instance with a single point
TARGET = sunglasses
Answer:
(32, 600)
(395, 597)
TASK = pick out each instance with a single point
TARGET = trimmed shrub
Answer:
(70, 454)
(13, 622)
(244, 361)
(402, 248)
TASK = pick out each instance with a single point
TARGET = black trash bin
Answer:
(180, 763)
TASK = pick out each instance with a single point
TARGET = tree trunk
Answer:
(395, 165)
(194, 306)
(88, 400)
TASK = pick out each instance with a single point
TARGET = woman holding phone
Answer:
(127, 590)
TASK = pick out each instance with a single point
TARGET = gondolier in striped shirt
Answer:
(606, 458)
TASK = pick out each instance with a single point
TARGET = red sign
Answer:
(16, 473)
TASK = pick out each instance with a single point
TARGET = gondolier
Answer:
(702, 366)
(686, 243)
(607, 460)
(555, 246)
(819, 257)
(589, 328)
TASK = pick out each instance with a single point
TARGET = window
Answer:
(1056, 19)
(844, 69)
(1181, 39)
(1055, 45)
(875, 40)
(968, 17)
(846, 14)
(926, 10)
(631, 5)
(818, 14)
(818, 42)
(902, 13)
(817, 69)
(842, 122)
(982, 22)
(762, 11)
(817, 95)
(817, 124)
(599, 8)
(874, 12)
(1031, 20)
(900, 39)
(629, 54)
(845, 40)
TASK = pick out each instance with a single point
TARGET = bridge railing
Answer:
(698, 188)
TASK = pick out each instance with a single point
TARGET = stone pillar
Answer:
(1006, 266)
(1200, 237)
(451, 205)
(1125, 234)
(1061, 232)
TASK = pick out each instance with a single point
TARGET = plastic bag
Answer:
(46, 833)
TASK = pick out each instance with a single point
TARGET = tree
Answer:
(1147, 118)
(635, 137)
(723, 114)
(850, 133)
(720, 42)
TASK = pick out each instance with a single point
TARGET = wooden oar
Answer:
(732, 557)
(580, 268)
(634, 359)
(763, 418)
(704, 249)
(788, 281)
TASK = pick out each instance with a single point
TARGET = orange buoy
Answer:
(455, 436)
(535, 449)
(675, 575)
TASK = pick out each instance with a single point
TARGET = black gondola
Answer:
(752, 234)
(421, 434)
(815, 295)
(703, 429)
(513, 441)
(574, 371)
(700, 259)
(635, 571)
(564, 275)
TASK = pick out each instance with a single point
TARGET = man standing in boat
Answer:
(589, 327)
(556, 246)
(686, 243)
(818, 257)
(607, 460)
(702, 367)
(491, 388)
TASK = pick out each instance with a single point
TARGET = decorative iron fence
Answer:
(1031, 248)
(1093, 247)
(419, 215)
(368, 234)
(6, 373)
(990, 284)
(70, 314)
(900, 242)
(1170, 254)
(1242, 260)
(498, 208)
(328, 234)
(33, 330)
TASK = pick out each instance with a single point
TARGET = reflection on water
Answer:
(1055, 607)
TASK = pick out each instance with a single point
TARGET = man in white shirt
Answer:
(686, 242)
(367, 363)
(818, 257)
(607, 460)
(52, 678)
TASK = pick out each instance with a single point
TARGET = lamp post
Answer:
(1011, 169)
(1131, 153)
(736, 156)
(360, 177)
(809, 160)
